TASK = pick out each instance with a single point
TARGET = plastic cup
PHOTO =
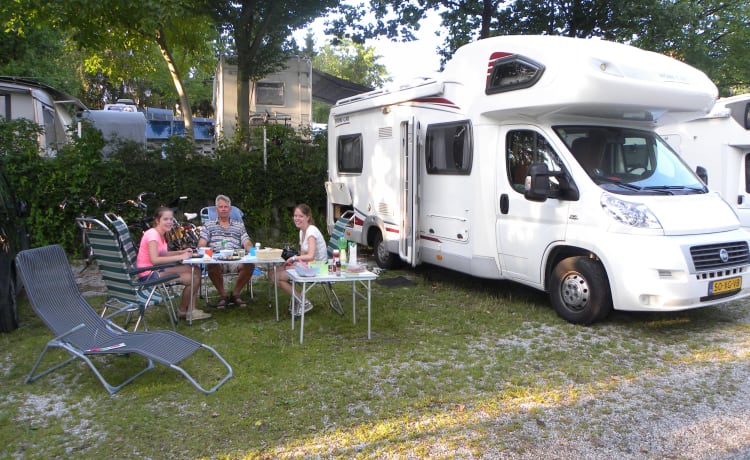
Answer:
(252, 251)
(240, 253)
(209, 252)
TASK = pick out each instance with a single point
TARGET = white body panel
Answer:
(479, 222)
(41, 104)
(720, 143)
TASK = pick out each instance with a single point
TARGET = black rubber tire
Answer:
(383, 258)
(8, 303)
(579, 290)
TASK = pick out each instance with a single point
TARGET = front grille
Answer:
(709, 257)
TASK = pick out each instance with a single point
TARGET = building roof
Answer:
(329, 89)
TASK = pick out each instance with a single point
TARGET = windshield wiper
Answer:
(670, 188)
(625, 185)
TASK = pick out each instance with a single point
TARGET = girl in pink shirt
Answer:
(154, 250)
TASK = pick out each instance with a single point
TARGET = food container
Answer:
(356, 268)
(321, 267)
(202, 250)
(226, 253)
(303, 269)
(268, 254)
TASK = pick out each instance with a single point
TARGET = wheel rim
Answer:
(574, 291)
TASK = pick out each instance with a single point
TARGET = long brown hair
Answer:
(305, 209)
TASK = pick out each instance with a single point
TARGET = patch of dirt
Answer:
(88, 278)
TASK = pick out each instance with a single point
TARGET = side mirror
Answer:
(537, 183)
(702, 173)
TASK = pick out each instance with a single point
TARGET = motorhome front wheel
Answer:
(579, 290)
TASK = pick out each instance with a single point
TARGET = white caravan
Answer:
(534, 159)
(718, 145)
(53, 110)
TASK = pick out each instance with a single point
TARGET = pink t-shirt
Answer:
(144, 259)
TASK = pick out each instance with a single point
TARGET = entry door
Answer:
(743, 196)
(407, 246)
(525, 229)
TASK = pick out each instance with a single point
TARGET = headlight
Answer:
(629, 213)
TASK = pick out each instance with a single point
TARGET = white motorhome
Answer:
(718, 145)
(534, 159)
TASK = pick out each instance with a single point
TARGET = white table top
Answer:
(244, 260)
(326, 278)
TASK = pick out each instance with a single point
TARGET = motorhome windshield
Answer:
(628, 161)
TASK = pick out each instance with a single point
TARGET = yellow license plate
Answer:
(722, 286)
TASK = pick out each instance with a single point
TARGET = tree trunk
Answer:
(242, 130)
(187, 114)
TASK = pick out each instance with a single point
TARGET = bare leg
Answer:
(184, 271)
(216, 275)
(282, 281)
(243, 277)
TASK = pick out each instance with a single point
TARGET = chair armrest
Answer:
(159, 280)
(135, 271)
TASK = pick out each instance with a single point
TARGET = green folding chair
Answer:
(126, 292)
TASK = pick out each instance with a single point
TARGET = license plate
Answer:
(722, 286)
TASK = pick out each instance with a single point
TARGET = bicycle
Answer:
(182, 235)
(142, 221)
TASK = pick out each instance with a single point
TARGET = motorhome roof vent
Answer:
(512, 72)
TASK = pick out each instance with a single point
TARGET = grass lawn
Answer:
(456, 366)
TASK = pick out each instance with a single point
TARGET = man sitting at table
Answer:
(225, 233)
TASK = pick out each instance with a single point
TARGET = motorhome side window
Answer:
(524, 148)
(448, 148)
(349, 153)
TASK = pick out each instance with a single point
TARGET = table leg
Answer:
(190, 308)
(275, 292)
(354, 302)
(291, 302)
(368, 309)
(302, 309)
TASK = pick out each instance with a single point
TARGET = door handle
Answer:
(504, 203)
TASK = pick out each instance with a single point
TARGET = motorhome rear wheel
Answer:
(383, 258)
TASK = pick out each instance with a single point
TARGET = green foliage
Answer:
(78, 176)
(351, 61)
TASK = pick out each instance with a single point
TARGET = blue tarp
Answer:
(163, 129)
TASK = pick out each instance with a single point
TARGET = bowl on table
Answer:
(303, 269)
(226, 253)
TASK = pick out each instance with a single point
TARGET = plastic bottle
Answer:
(223, 243)
(342, 249)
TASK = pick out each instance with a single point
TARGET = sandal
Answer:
(222, 303)
(235, 299)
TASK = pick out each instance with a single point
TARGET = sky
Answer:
(402, 60)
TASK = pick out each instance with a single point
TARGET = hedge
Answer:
(78, 175)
